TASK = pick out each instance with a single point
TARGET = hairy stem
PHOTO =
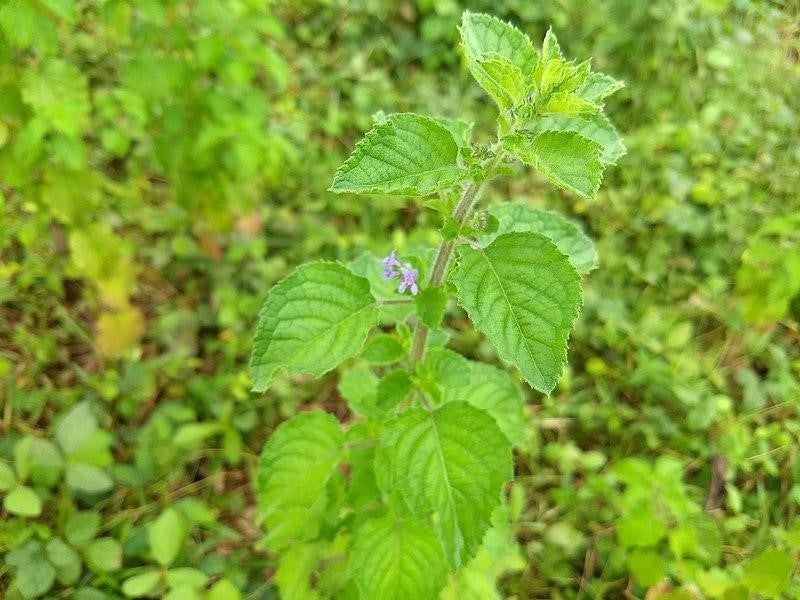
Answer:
(462, 210)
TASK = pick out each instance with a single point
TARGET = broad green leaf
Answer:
(768, 573)
(224, 589)
(58, 92)
(452, 461)
(66, 561)
(647, 567)
(492, 389)
(568, 103)
(295, 567)
(81, 527)
(166, 536)
(640, 528)
(393, 388)
(566, 158)
(88, 479)
(34, 573)
(404, 154)
(104, 555)
(520, 216)
(23, 501)
(397, 559)
(312, 320)
(500, 57)
(186, 577)
(297, 461)
(358, 386)
(39, 460)
(142, 584)
(593, 127)
(76, 427)
(382, 349)
(524, 294)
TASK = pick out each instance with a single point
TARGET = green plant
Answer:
(409, 491)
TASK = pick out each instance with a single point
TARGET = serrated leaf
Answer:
(397, 559)
(58, 92)
(520, 216)
(566, 158)
(404, 154)
(508, 86)
(524, 295)
(593, 127)
(550, 46)
(599, 86)
(431, 303)
(452, 461)
(568, 103)
(382, 349)
(295, 567)
(297, 461)
(314, 319)
(500, 57)
(492, 389)
(357, 386)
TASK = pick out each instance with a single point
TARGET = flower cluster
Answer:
(393, 268)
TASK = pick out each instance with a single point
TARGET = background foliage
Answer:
(163, 162)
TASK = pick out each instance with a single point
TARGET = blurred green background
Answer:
(164, 162)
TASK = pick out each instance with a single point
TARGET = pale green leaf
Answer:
(312, 320)
(646, 566)
(166, 536)
(7, 478)
(768, 573)
(77, 426)
(142, 584)
(81, 527)
(357, 386)
(508, 86)
(500, 57)
(568, 103)
(58, 93)
(295, 567)
(566, 158)
(524, 294)
(66, 561)
(88, 479)
(593, 127)
(452, 461)
(520, 216)
(404, 154)
(393, 388)
(397, 559)
(382, 349)
(297, 461)
(104, 555)
(224, 589)
(599, 86)
(23, 501)
(492, 389)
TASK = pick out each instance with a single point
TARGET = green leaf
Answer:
(38, 459)
(77, 426)
(500, 57)
(599, 86)
(452, 461)
(34, 575)
(59, 95)
(431, 303)
(88, 479)
(295, 568)
(166, 536)
(382, 349)
(640, 527)
(357, 386)
(397, 559)
(593, 127)
(65, 560)
(81, 527)
(492, 389)
(405, 154)
(104, 555)
(23, 501)
(312, 320)
(568, 159)
(223, 590)
(647, 567)
(524, 294)
(393, 388)
(142, 584)
(186, 577)
(521, 217)
(768, 573)
(7, 478)
(568, 103)
(297, 461)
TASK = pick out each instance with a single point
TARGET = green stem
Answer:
(462, 211)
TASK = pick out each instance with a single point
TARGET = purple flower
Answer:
(391, 260)
(409, 281)
(389, 274)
